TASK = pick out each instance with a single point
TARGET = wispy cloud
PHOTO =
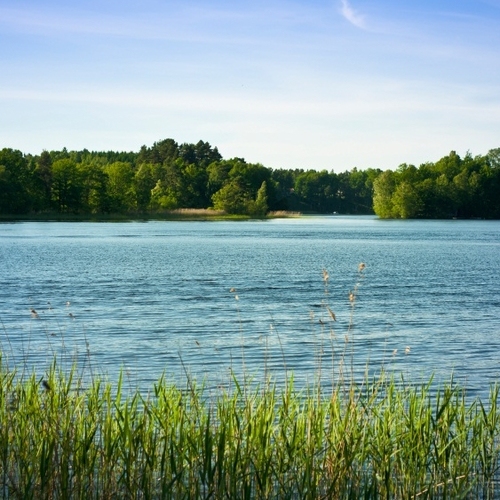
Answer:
(352, 15)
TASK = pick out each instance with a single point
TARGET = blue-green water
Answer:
(155, 297)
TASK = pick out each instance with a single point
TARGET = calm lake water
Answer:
(208, 298)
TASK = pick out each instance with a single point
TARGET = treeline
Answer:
(452, 187)
(169, 176)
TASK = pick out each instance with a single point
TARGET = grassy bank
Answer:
(59, 439)
(180, 214)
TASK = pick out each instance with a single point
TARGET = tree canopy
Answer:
(169, 176)
(466, 187)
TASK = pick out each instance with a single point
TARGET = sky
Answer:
(312, 84)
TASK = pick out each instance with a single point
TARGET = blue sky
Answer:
(290, 83)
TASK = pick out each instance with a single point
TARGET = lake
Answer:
(205, 299)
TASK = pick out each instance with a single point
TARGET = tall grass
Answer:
(380, 439)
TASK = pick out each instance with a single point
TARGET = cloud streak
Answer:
(352, 16)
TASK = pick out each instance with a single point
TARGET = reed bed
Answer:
(380, 439)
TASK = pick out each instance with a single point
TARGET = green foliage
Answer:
(328, 192)
(218, 174)
(383, 192)
(245, 187)
(406, 201)
(144, 182)
(233, 197)
(169, 176)
(380, 439)
(15, 182)
(43, 181)
(67, 185)
(95, 198)
(493, 158)
(259, 207)
(452, 187)
(319, 189)
(120, 186)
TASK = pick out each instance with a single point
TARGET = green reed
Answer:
(378, 439)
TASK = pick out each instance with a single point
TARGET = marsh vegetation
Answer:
(382, 438)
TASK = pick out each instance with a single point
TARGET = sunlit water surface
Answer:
(204, 299)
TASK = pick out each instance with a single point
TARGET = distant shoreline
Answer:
(173, 215)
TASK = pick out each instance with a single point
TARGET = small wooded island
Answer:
(168, 176)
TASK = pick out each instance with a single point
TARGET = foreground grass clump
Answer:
(381, 439)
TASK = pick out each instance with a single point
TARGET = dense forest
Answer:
(452, 187)
(169, 176)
